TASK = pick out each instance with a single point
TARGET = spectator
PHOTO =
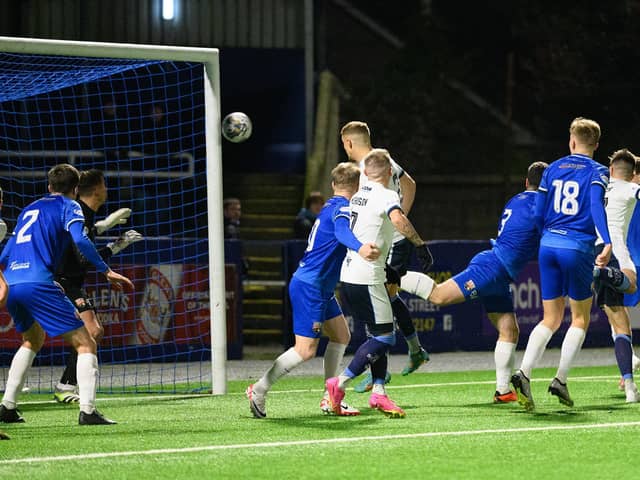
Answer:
(232, 210)
(307, 215)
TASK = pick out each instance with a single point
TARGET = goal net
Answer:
(148, 117)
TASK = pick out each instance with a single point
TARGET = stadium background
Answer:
(464, 94)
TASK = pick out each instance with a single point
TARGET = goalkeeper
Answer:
(92, 194)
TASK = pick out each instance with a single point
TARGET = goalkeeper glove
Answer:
(3, 229)
(119, 217)
(424, 257)
(392, 275)
(123, 241)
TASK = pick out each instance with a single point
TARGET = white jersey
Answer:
(370, 208)
(621, 197)
(394, 184)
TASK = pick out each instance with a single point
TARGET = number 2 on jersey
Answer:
(565, 198)
(31, 216)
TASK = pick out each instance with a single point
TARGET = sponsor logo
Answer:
(469, 285)
(19, 266)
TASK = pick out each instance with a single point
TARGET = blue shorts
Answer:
(486, 279)
(311, 308)
(564, 271)
(632, 299)
(44, 303)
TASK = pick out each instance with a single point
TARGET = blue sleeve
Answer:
(538, 211)
(86, 246)
(344, 234)
(5, 252)
(598, 213)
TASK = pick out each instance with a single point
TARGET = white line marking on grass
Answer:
(321, 441)
(144, 397)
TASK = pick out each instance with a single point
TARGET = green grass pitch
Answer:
(452, 430)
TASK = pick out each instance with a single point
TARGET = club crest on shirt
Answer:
(469, 286)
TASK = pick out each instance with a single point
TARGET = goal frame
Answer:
(210, 59)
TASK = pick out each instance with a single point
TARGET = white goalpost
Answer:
(175, 165)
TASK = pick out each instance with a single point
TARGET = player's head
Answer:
(622, 164)
(584, 135)
(636, 171)
(534, 175)
(232, 208)
(345, 177)
(377, 165)
(64, 179)
(314, 202)
(356, 139)
(92, 187)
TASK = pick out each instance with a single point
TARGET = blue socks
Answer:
(624, 354)
(370, 352)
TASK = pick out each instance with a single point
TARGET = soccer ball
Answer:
(236, 127)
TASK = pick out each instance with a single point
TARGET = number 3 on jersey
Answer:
(30, 218)
(565, 198)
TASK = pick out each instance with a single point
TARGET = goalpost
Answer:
(149, 117)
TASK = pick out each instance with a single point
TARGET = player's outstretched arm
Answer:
(408, 189)
(405, 227)
(599, 215)
(118, 281)
(119, 217)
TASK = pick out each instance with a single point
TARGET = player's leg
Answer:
(379, 398)
(32, 341)
(33, 337)
(417, 354)
(504, 354)
(370, 305)
(619, 320)
(66, 389)
(308, 309)
(576, 268)
(623, 280)
(553, 311)
(87, 372)
(399, 257)
(337, 329)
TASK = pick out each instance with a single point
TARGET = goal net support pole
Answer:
(209, 57)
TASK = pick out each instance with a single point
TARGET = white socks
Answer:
(504, 356)
(281, 366)
(536, 345)
(332, 358)
(20, 364)
(417, 284)
(87, 373)
(571, 345)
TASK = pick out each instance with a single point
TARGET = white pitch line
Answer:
(143, 397)
(321, 441)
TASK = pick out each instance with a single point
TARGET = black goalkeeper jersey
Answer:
(74, 266)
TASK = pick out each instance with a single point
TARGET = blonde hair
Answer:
(358, 132)
(585, 131)
(377, 162)
(346, 175)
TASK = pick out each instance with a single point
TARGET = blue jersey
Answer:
(518, 237)
(633, 235)
(40, 238)
(320, 265)
(567, 220)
